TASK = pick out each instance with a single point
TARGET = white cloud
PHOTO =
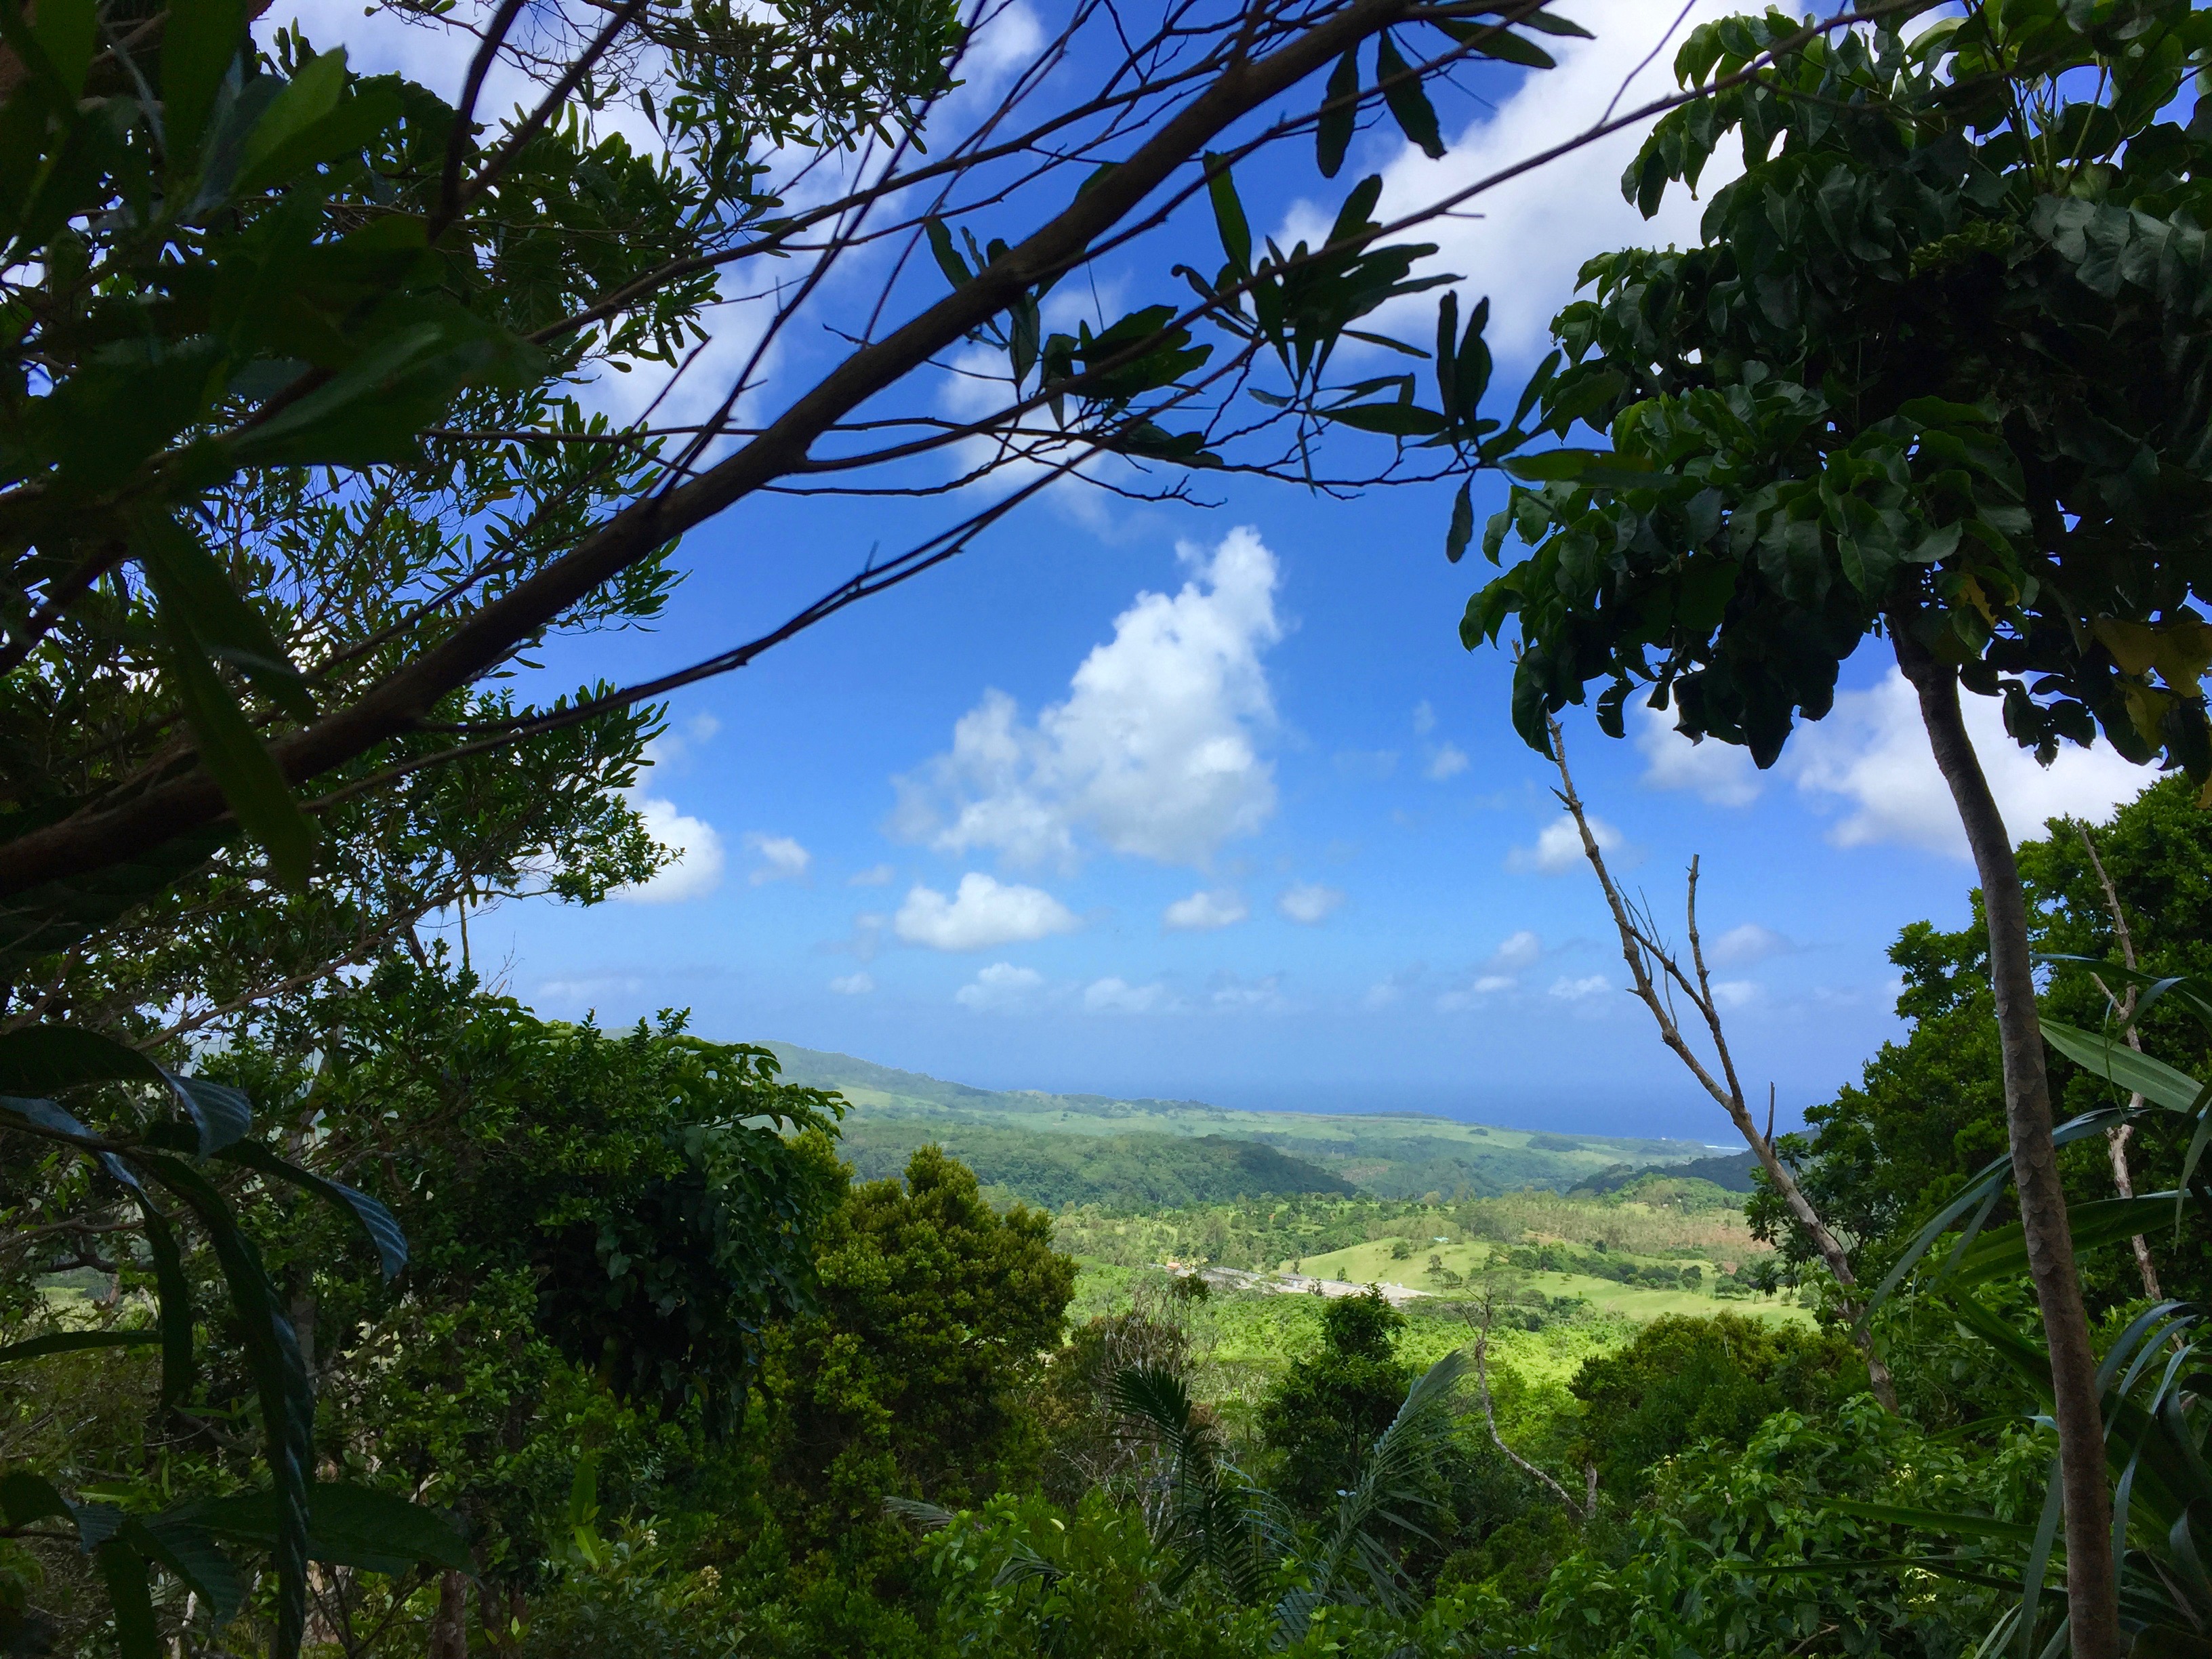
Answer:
(876, 875)
(981, 914)
(1734, 993)
(695, 846)
(1533, 234)
(783, 858)
(1558, 848)
(1155, 751)
(1117, 996)
(1749, 944)
(1517, 950)
(852, 984)
(1722, 774)
(1308, 902)
(1388, 992)
(1262, 996)
(1448, 760)
(1425, 717)
(1871, 753)
(1001, 985)
(1574, 990)
(1204, 910)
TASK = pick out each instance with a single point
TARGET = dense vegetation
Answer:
(350, 1306)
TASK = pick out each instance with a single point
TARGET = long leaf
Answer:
(173, 1294)
(378, 1224)
(348, 1526)
(44, 1060)
(38, 1347)
(2121, 1066)
(280, 1377)
(130, 1599)
(2003, 1252)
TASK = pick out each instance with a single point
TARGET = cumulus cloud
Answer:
(1522, 242)
(1749, 944)
(876, 875)
(1425, 717)
(1447, 759)
(1870, 756)
(981, 914)
(852, 984)
(1720, 773)
(1309, 901)
(1000, 985)
(1483, 985)
(1386, 993)
(781, 858)
(1206, 910)
(1155, 753)
(1575, 990)
(1517, 950)
(1118, 996)
(1734, 993)
(1262, 996)
(1559, 847)
(694, 848)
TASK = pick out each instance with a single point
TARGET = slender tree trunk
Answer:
(2092, 1589)
(449, 1628)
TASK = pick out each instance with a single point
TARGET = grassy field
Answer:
(1523, 1251)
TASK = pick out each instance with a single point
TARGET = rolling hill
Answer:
(1062, 1149)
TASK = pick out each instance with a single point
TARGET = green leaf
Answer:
(1935, 1521)
(234, 756)
(377, 1221)
(312, 94)
(1393, 420)
(1596, 468)
(2117, 1063)
(188, 1552)
(71, 1341)
(1408, 102)
(2003, 1252)
(1340, 114)
(187, 582)
(1463, 523)
(348, 1526)
(26, 1498)
(130, 1599)
(948, 256)
(1229, 215)
(42, 1060)
(173, 1294)
(67, 30)
(198, 42)
(280, 1377)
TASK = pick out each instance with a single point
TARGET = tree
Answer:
(1685, 1381)
(345, 292)
(1328, 1408)
(1929, 1109)
(906, 1379)
(1937, 372)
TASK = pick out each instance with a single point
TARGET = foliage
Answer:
(1741, 1552)
(1130, 1174)
(1884, 1155)
(1818, 417)
(1329, 1407)
(932, 1315)
(1683, 1382)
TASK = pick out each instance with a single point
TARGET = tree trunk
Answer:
(449, 1628)
(2092, 1591)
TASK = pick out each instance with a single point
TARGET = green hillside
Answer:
(1051, 1141)
(1121, 1172)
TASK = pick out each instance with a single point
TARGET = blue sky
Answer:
(1210, 803)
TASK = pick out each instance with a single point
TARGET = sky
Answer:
(1207, 801)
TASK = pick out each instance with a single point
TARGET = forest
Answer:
(350, 1306)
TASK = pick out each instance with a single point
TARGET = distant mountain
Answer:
(1394, 1155)
(1141, 1172)
(1731, 1172)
